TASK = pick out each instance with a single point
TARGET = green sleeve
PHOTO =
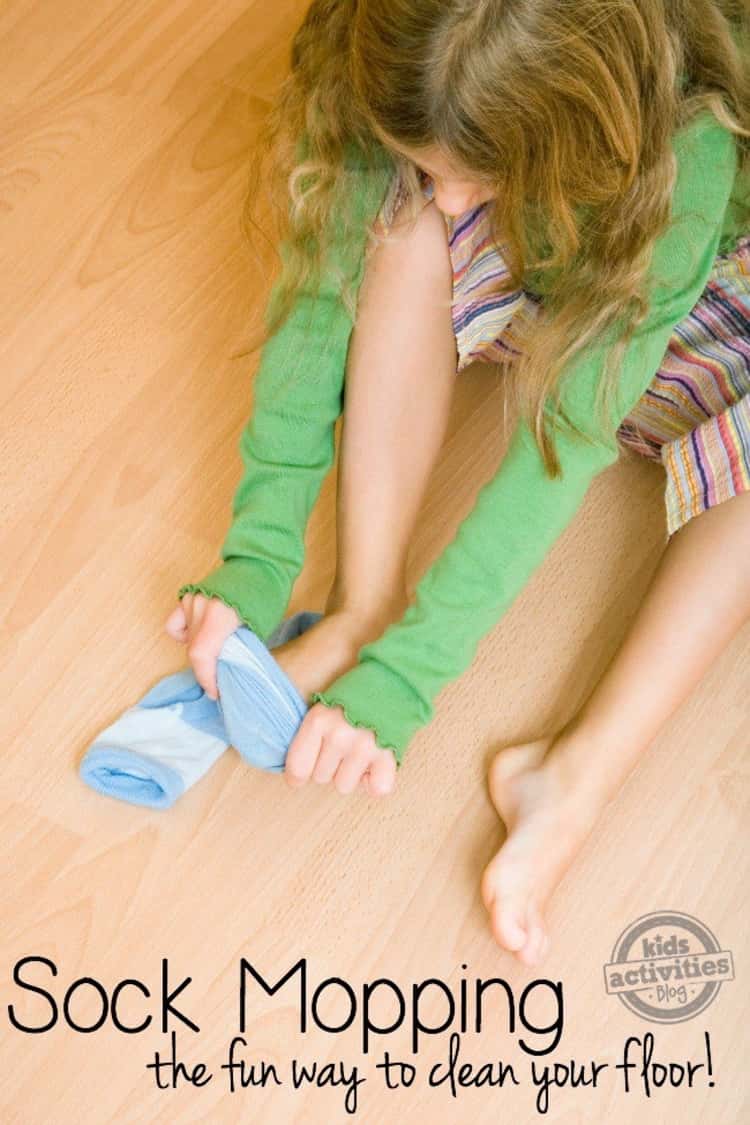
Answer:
(287, 446)
(521, 511)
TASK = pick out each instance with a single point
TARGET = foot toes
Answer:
(530, 951)
(508, 926)
(537, 942)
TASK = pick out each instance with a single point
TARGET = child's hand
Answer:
(328, 748)
(203, 624)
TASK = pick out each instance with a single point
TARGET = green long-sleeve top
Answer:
(288, 448)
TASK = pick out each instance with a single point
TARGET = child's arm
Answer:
(287, 446)
(520, 512)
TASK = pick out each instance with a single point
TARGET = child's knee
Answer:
(419, 243)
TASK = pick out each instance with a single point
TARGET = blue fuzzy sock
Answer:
(162, 746)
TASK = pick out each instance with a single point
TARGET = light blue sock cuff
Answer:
(130, 776)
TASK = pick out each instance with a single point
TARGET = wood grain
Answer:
(126, 132)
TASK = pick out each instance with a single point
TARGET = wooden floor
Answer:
(126, 290)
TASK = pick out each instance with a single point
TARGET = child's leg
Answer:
(550, 792)
(401, 371)
(399, 385)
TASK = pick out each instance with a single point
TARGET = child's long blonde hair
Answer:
(567, 106)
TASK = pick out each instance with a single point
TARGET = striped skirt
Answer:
(695, 415)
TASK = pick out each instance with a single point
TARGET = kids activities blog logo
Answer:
(667, 967)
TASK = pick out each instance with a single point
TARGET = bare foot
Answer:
(323, 652)
(548, 818)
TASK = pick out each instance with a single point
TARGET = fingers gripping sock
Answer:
(159, 748)
(262, 708)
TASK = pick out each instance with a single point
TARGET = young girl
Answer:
(559, 186)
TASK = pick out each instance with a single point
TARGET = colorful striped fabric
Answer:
(483, 322)
(695, 415)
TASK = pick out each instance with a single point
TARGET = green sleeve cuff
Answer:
(248, 586)
(374, 696)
